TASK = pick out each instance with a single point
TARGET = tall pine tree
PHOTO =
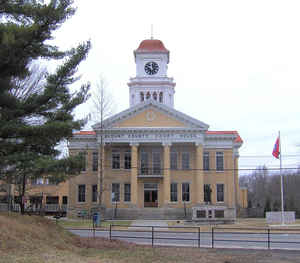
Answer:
(33, 121)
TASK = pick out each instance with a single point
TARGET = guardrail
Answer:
(267, 236)
(262, 238)
(150, 171)
(153, 237)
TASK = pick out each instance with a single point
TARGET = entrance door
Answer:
(150, 195)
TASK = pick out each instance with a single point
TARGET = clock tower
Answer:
(151, 81)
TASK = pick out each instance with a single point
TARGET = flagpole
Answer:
(281, 182)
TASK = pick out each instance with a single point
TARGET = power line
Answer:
(268, 156)
(210, 170)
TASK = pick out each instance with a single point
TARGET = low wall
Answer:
(275, 217)
(138, 213)
(213, 214)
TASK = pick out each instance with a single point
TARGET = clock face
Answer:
(151, 68)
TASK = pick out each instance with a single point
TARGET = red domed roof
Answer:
(152, 45)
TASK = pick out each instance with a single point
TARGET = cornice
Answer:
(151, 84)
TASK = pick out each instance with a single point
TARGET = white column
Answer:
(167, 177)
(199, 173)
(134, 173)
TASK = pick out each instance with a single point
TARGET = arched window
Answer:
(142, 96)
(148, 95)
(154, 96)
(161, 97)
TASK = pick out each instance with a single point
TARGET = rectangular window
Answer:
(207, 193)
(156, 163)
(206, 161)
(115, 192)
(83, 154)
(94, 193)
(185, 161)
(115, 160)
(174, 192)
(219, 214)
(127, 160)
(186, 192)
(220, 192)
(144, 163)
(174, 160)
(81, 193)
(95, 161)
(127, 192)
(220, 161)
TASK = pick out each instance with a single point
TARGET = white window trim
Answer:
(174, 169)
(220, 202)
(127, 202)
(112, 161)
(220, 171)
(160, 163)
(93, 153)
(209, 163)
(125, 153)
(85, 154)
(189, 168)
(187, 202)
(79, 202)
(142, 152)
(113, 202)
(174, 202)
(92, 194)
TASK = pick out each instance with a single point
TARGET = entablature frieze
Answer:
(165, 136)
(145, 136)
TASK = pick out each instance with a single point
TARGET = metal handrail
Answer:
(150, 171)
(266, 235)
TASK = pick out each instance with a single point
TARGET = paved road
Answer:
(221, 240)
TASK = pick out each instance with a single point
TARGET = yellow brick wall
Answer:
(45, 190)
(179, 176)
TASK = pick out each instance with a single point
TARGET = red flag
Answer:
(276, 151)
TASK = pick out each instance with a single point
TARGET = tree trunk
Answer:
(101, 169)
(22, 196)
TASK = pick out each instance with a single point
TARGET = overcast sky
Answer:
(236, 64)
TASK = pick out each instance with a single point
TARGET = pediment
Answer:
(151, 114)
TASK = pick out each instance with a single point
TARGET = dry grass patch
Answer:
(33, 239)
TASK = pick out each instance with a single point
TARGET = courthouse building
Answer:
(158, 162)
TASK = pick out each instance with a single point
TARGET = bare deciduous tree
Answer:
(103, 106)
(31, 84)
(264, 189)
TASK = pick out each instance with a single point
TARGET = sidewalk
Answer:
(148, 224)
